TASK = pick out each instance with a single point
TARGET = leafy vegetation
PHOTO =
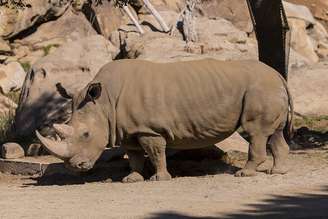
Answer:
(14, 4)
(46, 49)
(26, 66)
(6, 123)
(315, 123)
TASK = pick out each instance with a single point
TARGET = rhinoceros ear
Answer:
(94, 92)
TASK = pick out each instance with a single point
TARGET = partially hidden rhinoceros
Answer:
(148, 107)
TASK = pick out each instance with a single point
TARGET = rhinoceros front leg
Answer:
(256, 155)
(136, 161)
(155, 148)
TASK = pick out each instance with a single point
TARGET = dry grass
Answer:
(314, 123)
(7, 121)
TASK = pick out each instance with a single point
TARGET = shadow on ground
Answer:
(305, 138)
(302, 206)
(186, 163)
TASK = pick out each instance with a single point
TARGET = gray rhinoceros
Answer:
(148, 107)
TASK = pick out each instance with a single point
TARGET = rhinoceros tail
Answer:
(290, 118)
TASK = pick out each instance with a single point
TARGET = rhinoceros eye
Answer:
(86, 134)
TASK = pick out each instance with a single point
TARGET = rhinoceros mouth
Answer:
(77, 165)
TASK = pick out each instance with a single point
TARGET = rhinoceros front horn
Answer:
(57, 148)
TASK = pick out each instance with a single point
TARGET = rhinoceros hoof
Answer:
(133, 177)
(276, 170)
(165, 176)
(245, 173)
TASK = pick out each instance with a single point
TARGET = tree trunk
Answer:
(158, 17)
(272, 32)
(133, 19)
(188, 20)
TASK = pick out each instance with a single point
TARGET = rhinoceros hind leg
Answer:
(155, 148)
(280, 151)
(256, 156)
(136, 161)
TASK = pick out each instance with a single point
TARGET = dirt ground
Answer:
(201, 189)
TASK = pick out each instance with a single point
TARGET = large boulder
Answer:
(309, 89)
(301, 42)
(73, 65)
(105, 17)
(14, 20)
(218, 38)
(309, 38)
(235, 11)
(68, 28)
(319, 8)
(11, 77)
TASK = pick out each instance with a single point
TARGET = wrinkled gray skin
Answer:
(148, 107)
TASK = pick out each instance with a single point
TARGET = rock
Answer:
(301, 42)
(106, 17)
(219, 33)
(11, 77)
(73, 65)
(322, 50)
(309, 89)
(7, 106)
(49, 36)
(162, 5)
(319, 8)
(149, 22)
(320, 36)
(234, 143)
(34, 150)
(318, 32)
(12, 151)
(15, 20)
(68, 28)
(296, 60)
(217, 39)
(4, 48)
(301, 12)
(235, 11)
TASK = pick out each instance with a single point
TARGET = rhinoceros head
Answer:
(80, 142)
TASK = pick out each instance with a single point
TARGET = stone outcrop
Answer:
(73, 65)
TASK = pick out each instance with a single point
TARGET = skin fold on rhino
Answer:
(148, 107)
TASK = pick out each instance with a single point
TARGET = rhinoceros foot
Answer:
(161, 176)
(133, 177)
(245, 172)
(278, 170)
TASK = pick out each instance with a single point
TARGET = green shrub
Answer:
(46, 49)
(6, 122)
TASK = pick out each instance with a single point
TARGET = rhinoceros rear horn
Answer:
(63, 130)
(57, 148)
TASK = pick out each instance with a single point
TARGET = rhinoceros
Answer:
(148, 107)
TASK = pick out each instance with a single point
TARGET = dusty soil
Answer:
(204, 188)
